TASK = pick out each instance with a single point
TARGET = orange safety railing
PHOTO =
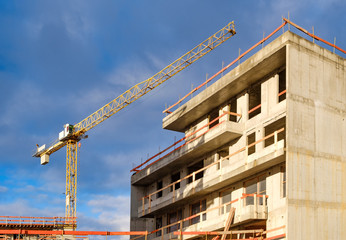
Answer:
(193, 175)
(74, 233)
(45, 221)
(257, 233)
(285, 21)
(183, 141)
(181, 222)
(282, 93)
(168, 110)
(255, 108)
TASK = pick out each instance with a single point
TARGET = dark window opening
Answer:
(197, 166)
(271, 128)
(226, 197)
(255, 101)
(197, 208)
(175, 177)
(173, 218)
(212, 116)
(158, 187)
(233, 109)
(282, 85)
(158, 226)
(251, 139)
(255, 186)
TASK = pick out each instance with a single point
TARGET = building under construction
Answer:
(263, 156)
(264, 153)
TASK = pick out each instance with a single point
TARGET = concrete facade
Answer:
(268, 140)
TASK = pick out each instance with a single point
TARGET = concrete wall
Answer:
(316, 142)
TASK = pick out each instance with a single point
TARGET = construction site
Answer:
(263, 154)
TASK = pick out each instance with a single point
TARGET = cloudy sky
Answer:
(62, 60)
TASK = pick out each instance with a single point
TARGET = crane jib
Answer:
(73, 133)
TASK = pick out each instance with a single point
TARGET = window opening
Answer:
(195, 167)
(172, 218)
(197, 208)
(251, 139)
(282, 85)
(255, 101)
(175, 177)
(226, 197)
(255, 186)
(158, 226)
(222, 154)
(158, 187)
(271, 128)
(213, 115)
(233, 109)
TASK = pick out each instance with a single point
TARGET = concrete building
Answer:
(267, 141)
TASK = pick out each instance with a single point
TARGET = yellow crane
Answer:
(72, 134)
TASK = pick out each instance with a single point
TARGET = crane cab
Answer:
(67, 132)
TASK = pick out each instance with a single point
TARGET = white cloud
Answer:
(113, 212)
(21, 207)
(129, 74)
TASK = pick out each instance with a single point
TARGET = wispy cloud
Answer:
(110, 213)
(3, 189)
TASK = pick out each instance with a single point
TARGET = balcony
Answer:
(217, 175)
(194, 145)
(214, 218)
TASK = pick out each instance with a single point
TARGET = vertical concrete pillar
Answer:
(243, 107)
(273, 91)
(226, 117)
(259, 135)
(136, 222)
(216, 158)
(264, 98)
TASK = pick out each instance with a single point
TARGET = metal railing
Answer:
(183, 141)
(42, 221)
(149, 198)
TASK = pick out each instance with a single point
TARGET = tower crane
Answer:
(72, 134)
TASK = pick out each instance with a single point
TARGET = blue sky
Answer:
(62, 60)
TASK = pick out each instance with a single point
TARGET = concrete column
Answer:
(259, 135)
(137, 224)
(243, 107)
(226, 117)
(264, 98)
(273, 91)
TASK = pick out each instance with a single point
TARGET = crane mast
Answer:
(74, 133)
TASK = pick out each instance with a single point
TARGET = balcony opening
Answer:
(251, 139)
(196, 208)
(158, 187)
(255, 101)
(233, 109)
(271, 128)
(158, 226)
(193, 168)
(282, 85)
(175, 177)
(212, 116)
(256, 186)
(172, 218)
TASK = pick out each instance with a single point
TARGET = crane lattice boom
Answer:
(75, 133)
